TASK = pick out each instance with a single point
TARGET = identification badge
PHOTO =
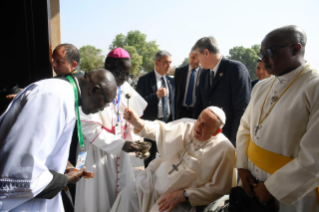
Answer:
(118, 130)
(81, 160)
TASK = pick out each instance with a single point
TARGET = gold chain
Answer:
(262, 107)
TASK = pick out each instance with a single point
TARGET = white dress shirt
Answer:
(194, 87)
(159, 85)
(216, 67)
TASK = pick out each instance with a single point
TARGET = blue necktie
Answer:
(189, 96)
(165, 102)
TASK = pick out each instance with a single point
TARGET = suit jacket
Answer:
(146, 87)
(180, 78)
(253, 83)
(230, 91)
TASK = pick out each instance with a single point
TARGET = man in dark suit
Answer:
(186, 82)
(225, 84)
(158, 90)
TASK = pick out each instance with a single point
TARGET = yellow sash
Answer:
(266, 160)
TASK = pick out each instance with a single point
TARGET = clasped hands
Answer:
(254, 188)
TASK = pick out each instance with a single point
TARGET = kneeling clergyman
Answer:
(195, 167)
(277, 140)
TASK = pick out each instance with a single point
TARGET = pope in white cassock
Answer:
(277, 141)
(107, 139)
(195, 167)
(35, 137)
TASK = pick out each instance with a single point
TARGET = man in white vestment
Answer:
(277, 141)
(108, 138)
(195, 167)
(35, 136)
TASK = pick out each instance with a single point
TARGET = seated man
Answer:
(195, 167)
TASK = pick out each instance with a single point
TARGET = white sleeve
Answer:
(30, 131)
(301, 175)
(95, 134)
(220, 182)
(169, 137)
(242, 140)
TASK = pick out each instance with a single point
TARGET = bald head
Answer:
(282, 50)
(98, 88)
(106, 79)
(289, 34)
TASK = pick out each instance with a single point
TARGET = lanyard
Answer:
(117, 103)
(80, 134)
(262, 107)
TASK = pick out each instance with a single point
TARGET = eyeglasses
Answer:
(125, 75)
(271, 51)
(104, 95)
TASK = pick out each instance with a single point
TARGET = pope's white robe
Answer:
(291, 129)
(35, 136)
(206, 174)
(112, 167)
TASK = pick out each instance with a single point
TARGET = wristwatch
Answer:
(185, 195)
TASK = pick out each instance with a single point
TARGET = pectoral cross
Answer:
(175, 167)
(256, 129)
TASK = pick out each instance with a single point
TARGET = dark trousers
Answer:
(186, 112)
(153, 149)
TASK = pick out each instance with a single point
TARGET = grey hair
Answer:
(193, 49)
(71, 52)
(209, 43)
(162, 53)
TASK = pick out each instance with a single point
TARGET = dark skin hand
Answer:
(262, 193)
(249, 182)
(130, 146)
(75, 175)
(171, 200)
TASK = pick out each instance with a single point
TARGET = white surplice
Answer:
(112, 167)
(290, 129)
(35, 135)
(206, 171)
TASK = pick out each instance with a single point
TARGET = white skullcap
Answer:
(219, 113)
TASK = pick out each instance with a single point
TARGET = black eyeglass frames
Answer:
(271, 51)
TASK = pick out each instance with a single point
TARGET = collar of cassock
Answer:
(291, 75)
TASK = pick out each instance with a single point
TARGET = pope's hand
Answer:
(248, 181)
(171, 200)
(131, 117)
(130, 146)
(262, 193)
(75, 175)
